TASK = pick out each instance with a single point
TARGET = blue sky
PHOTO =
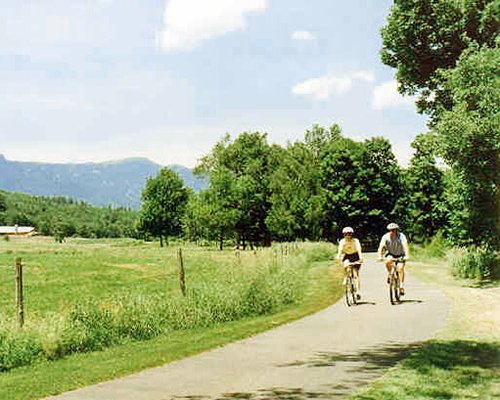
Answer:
(98, 80)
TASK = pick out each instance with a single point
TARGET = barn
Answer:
(17, 230)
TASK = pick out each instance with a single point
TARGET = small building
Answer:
(17, 230)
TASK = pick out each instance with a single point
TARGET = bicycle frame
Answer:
(394, 281)
(351, 284)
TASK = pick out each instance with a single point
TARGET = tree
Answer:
(380, 176)
(360, 184)
(423, 196)
(424, 37)
(213, 214)
(469, 135)
(247, 161)
(3, 207)
(164, 199)
(448, 51)
(294, 186)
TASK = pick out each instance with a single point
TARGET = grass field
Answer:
(94, 278)
(463, 360)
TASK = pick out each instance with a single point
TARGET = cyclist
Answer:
(350, 252)
(394, 245)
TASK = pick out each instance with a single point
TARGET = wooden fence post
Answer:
(182, 280)
(19, 292)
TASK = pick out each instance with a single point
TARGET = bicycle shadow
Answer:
(364, 303)
(409, 301)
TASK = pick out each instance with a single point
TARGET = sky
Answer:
(101, 80)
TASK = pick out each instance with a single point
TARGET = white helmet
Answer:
(392, 226)
(347, 229)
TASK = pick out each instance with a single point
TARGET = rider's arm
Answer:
(406, 247)
(358, 249)
(341, 246)
(381, 248)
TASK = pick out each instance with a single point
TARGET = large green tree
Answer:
(294, 186)
(360, 185)
(164, 200)
(470, 139)
(247, 161)
(213, 213)
(424, 37)
(447, 50)
(424, 186)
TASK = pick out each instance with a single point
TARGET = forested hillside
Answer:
(63, 217)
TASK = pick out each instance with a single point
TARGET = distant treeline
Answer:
(64, 217)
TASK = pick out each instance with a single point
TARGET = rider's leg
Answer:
(358, 282)
(388, 266)
(345, 263)
(402, 276)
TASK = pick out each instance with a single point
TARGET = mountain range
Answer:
(116, 183)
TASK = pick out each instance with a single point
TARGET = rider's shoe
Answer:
(402, 291)
(358, 296)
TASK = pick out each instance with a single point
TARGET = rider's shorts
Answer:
(350, 258)
(390, 256)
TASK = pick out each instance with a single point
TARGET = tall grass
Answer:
(264, 285)
(436, 247)
(479, 263)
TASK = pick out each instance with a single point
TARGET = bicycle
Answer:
(395, 281)
(351, 284)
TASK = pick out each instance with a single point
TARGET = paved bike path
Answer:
(326, 355)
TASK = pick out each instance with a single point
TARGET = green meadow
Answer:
(119, 302)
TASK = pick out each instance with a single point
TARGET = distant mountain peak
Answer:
(119, 182)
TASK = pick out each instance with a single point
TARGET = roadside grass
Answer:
(321, 288)
(462, 361)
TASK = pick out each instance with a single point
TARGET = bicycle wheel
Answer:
(354, 291)
(348, 286)
(392, 289)
(397, 285)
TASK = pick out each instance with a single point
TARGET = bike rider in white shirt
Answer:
(350, 252)
(394, 245)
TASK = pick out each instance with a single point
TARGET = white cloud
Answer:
(323, 87)
(303, 35)
(190, 22)
(386, 95)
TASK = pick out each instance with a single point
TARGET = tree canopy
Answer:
(164, 200)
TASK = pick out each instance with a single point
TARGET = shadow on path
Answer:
(280, 393)
(472, 361)
(372, 358)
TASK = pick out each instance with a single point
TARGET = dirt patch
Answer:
(134, 267)
(475, 310)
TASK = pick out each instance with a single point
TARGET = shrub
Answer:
(18, 349)
(437, 247)
(475, 262)
(90, 327)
